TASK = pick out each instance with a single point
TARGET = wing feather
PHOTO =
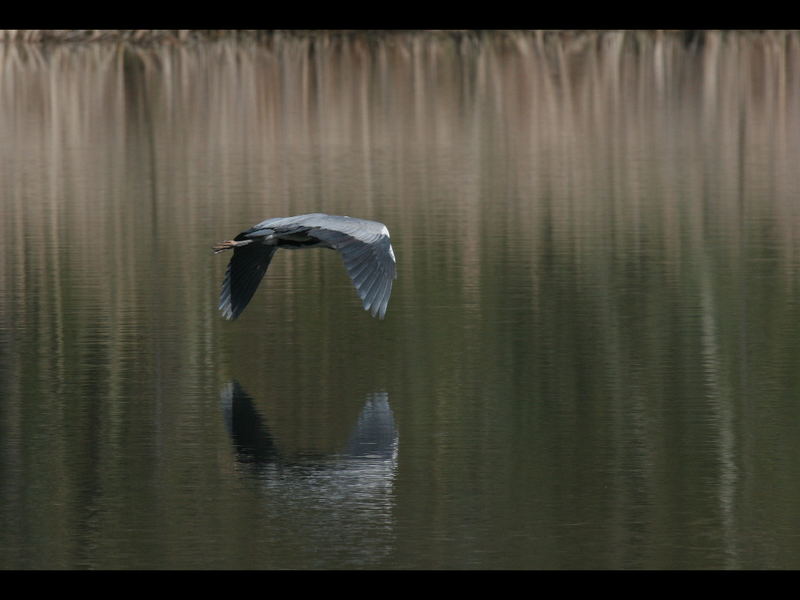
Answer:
(370, 286)
(379, 306)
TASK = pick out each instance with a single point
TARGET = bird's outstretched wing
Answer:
(244, 273)
(367, 254)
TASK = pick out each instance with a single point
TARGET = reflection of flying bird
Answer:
(364, 245)
(250, 437)
(337, 506)
(374, 437)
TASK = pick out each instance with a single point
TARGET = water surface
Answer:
(590, 358)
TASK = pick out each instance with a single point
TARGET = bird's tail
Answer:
(229, 245)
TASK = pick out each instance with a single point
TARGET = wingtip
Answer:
(378, 311)
(227, 312)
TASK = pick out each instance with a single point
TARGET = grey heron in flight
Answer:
(364, 246)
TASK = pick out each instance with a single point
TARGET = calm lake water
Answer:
(591, 357)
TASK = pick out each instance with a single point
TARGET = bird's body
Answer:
(364, 245)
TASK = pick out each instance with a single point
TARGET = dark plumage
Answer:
(364, 246)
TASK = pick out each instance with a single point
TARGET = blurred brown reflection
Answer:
(595, 320)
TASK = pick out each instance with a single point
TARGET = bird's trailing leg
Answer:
(230, 245)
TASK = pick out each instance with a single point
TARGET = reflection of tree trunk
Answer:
(138, 75)
(723, 400)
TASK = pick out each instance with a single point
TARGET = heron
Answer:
(364, 246)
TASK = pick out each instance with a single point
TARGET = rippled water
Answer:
(590, 358)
